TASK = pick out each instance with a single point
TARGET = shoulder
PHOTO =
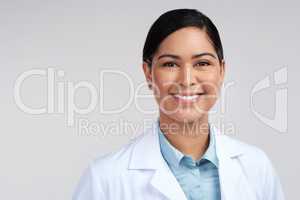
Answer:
(257, 167)
(102, 171)
(254, 161)
(117, 160)
(247, 152)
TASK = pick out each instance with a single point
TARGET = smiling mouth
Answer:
(187, 98)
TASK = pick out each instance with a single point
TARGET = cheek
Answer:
(162, 82)
(211, 84)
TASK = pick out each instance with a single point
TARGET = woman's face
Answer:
(186, 75)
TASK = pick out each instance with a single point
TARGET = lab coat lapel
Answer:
(165, 182)
(233, 181)
(147, 155)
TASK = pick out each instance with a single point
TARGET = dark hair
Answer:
(173, 20)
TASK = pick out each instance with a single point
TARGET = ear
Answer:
(148, 72)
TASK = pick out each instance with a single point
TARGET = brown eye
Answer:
(202, 63)
(169, 64)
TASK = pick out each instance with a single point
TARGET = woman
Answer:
(182, 156)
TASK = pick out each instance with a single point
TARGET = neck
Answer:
(191, 138)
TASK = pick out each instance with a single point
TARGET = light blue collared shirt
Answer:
(198, 179)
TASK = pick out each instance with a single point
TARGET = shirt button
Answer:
(195, 171)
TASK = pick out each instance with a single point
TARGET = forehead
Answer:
(186, 41)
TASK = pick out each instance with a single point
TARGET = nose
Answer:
(187, 77)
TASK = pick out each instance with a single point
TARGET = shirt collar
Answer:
(173, 156)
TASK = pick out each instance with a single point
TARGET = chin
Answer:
(187, 116)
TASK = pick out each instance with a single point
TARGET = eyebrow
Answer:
(194, 56)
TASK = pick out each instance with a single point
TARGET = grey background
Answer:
(43, 158)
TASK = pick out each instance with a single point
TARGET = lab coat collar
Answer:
(146, 155)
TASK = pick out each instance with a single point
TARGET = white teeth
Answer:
(187, 97)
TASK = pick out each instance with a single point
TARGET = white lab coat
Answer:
(137, 171)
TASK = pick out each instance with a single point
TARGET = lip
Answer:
(187, 93)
